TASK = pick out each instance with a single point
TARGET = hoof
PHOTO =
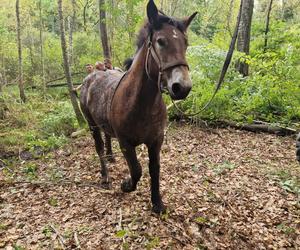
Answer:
(127, 186)
(105, 184)
(159, 209)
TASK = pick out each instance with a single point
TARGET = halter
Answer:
(161, 68)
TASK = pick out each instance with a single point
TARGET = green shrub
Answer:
(271, 93)
(61, 121)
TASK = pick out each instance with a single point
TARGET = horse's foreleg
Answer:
(154, 168)
(100, 151)
(135, 169)
(109, 153)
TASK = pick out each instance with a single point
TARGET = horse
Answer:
(130, 106)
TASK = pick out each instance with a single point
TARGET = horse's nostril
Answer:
(176, 88)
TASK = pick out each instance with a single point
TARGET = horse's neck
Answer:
(146, 90)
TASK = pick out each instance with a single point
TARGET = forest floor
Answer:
(224, 189)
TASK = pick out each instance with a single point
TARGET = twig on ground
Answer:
(128, 220)
(184, 234)
(166, 132)
(77, 241)
(175, 238)
(4, 166)
(120, 219)
(224, 201)
(60, 238)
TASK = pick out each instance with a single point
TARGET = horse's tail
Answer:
(127, 63)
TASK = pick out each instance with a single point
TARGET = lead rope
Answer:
(158, 64)
(224, 69)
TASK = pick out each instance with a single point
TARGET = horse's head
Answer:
(167, 45)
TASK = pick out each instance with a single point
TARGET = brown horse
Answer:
(130, 107)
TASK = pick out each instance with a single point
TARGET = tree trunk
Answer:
(3, 71)
(21, 83)
(1, 82)
(268, 25)
(130, 24)
(243, 43)
(73, 97)
(84, 15)
(103, 30)
(31, 48)
(70, 49)
(162, 5)
(71, 30)
(41, 46)
(229, 16)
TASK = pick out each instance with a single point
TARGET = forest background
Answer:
(268, 90)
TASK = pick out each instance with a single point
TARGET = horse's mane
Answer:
(127, 63)
(149, 28)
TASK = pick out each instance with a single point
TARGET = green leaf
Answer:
(121, 233)
(201, 220)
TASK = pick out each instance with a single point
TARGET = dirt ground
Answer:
(224, 189)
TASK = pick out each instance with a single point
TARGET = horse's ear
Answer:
(187, 21)
(152, 12)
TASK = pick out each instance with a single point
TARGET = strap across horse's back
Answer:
(115, 87)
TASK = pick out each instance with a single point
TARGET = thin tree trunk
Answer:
(229, 16)
(21, 83)
(1, 83)
(42, 46)
(73, 97)
(31, 48)
(4, 71)
(71, 30)
(84, 15)
(70, 48)
(130, 24)
(174, 7)
(243, 43)
(103, 30)
(110, 24)
(283, 3)
(268, 26)
(162, 5)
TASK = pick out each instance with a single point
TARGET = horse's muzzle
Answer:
(179, 91)
(179, 83)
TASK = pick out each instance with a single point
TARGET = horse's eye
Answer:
(161, 42)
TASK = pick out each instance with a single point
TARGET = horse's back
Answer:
(96, 97)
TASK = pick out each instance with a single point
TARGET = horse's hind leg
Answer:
(135, 169)
(100, 151)
(109, 153)
(154, 169)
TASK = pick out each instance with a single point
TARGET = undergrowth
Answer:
(270, 94)
(42, 122)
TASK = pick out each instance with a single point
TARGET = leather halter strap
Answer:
(162, 68)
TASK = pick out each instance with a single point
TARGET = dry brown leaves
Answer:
(217, 185)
